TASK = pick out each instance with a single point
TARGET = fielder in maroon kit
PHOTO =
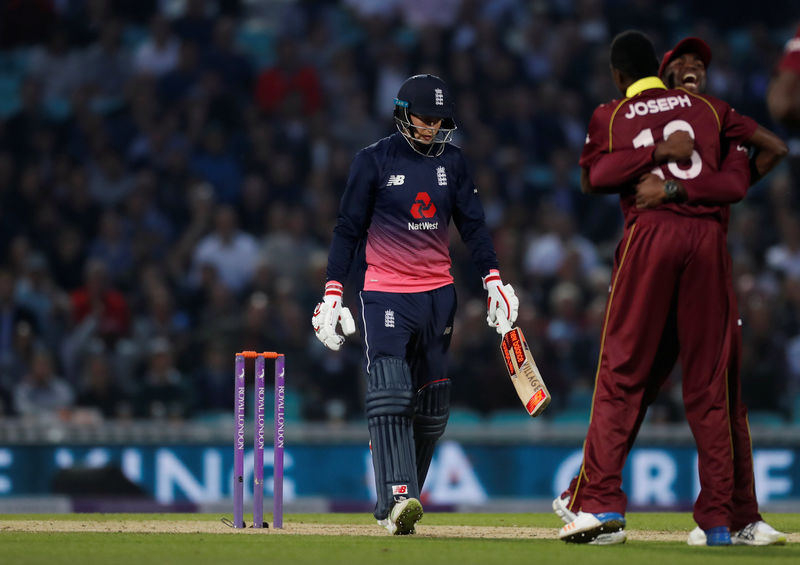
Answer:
(783, 97)
(685, 66)
(670, 279)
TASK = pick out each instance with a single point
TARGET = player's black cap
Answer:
(426, 95)
(687, 45)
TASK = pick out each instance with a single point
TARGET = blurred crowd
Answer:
(170, 174)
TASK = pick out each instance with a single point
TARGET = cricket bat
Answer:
(522, 369)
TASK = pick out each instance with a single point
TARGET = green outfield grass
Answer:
(122, 548)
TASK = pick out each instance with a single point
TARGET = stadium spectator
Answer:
(163, 391)
(42, 394)
(223, 57)
(212, 379)
(99, 305)
(195, 24)
(57, 67)
(99, 389)
(289, 81)
(231, 252)
(216, 103)
(107, 64)
(159, 53)
(11, 315)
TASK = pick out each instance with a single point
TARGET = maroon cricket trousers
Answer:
(670, 289)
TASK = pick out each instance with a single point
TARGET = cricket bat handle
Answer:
(503, 324)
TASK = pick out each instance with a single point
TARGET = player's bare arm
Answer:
(677, 147)
(608, 172)
(770, 150)
(723, 187)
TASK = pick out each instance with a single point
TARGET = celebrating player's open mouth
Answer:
(688, 71)
(689, 81)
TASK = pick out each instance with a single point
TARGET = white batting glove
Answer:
(502, 301)
(328, 314)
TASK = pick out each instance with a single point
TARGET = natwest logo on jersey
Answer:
(423, 208)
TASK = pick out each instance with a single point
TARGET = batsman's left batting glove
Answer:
(502, 301)
(328, 314)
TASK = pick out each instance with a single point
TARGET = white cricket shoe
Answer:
(403, 517)
(605, 528)
(719, 535)
(561, 508)
(754, 533)
(697, 537)
(612, 538)
(758, 533)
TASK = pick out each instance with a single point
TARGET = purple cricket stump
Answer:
(280, 405)
(238, 444)
(258, 446)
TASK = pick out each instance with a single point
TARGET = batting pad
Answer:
(390, 405)
(431, 413)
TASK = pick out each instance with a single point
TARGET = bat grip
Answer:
(502, 323)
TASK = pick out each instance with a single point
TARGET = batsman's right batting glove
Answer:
(502, 301)
(328, 314)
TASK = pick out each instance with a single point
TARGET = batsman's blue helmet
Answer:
(425, 96)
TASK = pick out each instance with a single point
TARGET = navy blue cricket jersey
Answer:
(401, 203)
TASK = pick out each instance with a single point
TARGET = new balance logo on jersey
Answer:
(441, 176)
(396, 180)
(388, 319)
(439, 96)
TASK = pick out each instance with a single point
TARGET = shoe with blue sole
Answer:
(561, 508)
(719, 535)
(588, 527)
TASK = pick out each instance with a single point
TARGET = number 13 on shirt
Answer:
(645, 139)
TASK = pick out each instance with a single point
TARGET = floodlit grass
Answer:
(122, 548)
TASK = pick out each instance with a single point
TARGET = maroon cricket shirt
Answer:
(670, 276)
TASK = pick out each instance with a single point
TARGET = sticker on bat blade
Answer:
(535, 400)
(507, 358)
(513, 341)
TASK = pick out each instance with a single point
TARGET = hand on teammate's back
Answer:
(677, 147)
(650, 191)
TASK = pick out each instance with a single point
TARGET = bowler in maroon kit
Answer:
(669, 279)
(685, 66)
